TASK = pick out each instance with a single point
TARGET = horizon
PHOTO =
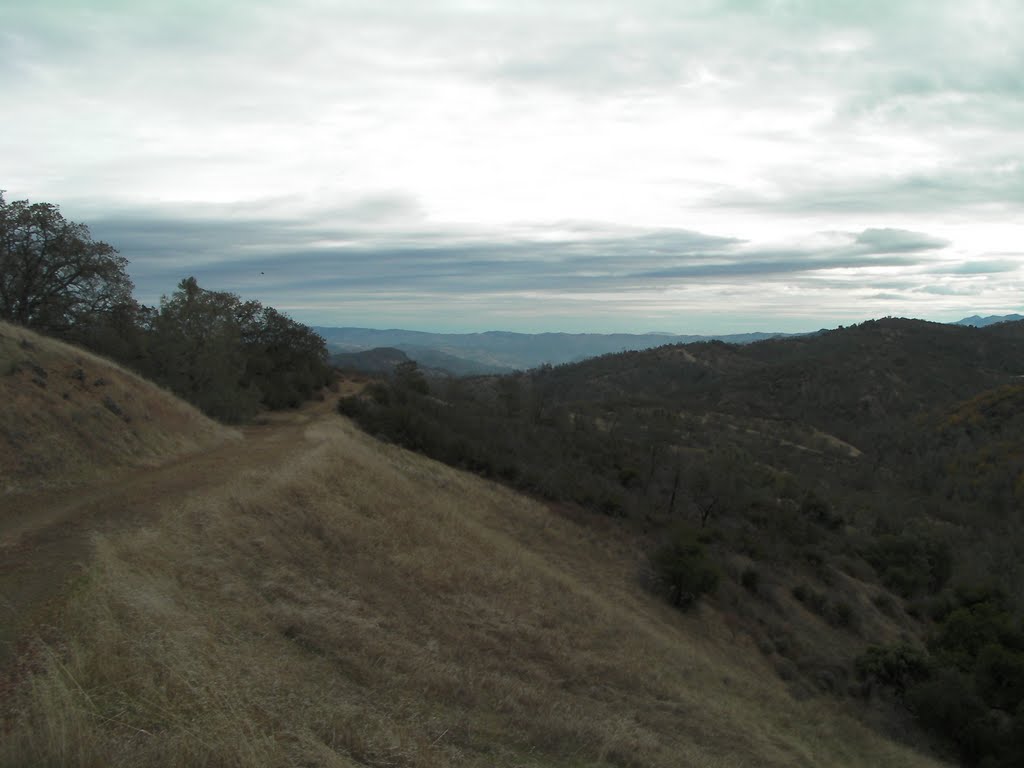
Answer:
(389, 329)
(702, 170)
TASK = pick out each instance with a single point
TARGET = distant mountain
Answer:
(502, 351)
(378, 360)
(453, 364)
(384, 360)
(978, 321)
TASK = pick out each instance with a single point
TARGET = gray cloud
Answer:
(1000, 182)
(286, 254)
(888, 297)
(945, 290)
(353, 261)
(898, 241)
(984, 266)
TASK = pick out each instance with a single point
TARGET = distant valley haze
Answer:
(379, 351)
(705, 168)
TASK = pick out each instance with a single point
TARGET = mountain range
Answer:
(978, 321)
(505, 351)
(496, 352)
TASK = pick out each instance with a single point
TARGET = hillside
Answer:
(381, 360)
(840, 381)
(360, 605)
(384, 361)
(870, 477)
(69, 415)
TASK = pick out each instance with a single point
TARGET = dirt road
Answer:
(46, 538)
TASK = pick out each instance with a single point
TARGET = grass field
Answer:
(69, 416)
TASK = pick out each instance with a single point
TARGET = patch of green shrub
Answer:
(682, 567)
(897, 667)
(911, 565)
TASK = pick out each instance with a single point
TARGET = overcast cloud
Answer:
(699, 167)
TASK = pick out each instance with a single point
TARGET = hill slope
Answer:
(69, 414)
(362, 605)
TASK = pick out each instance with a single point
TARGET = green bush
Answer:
(947, 704)
(898, 666)
(910, 565)
(351, 406)
(970, 690)
(682, 567)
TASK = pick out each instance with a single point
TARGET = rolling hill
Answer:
(309, 595)
(872, 475)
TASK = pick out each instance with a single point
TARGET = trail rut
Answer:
(46, 539)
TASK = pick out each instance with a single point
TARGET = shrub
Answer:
(898, 666)
(910, 565)
(683, 568)
(378, 392)
(841, 614)
(351, 406)
(751, 580)
(947, 704)
(884, 602)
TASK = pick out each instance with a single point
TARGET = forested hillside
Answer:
(865, 485)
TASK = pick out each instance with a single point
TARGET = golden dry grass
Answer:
(68, 415)
(366, 606)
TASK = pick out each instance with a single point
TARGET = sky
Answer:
(686, 166)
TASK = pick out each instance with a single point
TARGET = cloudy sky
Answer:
(694, 166)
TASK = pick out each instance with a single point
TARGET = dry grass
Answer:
(366, 606)
(69, 415)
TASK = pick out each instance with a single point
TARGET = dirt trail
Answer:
(46, 538)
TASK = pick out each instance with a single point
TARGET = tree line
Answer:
(228, 356)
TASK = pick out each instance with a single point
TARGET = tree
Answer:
(229, 356)
(717, 485)
(197, 351)
(286, 361)
(53, 275)
(409, 378)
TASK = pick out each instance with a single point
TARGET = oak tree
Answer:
(53, 275)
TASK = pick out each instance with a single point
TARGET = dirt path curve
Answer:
(46, 538)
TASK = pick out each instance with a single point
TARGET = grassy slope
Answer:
(68, 415)
(367, 606)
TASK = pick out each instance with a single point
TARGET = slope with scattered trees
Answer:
(309, 596)
(842, 492)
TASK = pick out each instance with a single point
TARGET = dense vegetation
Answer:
(228, 356)
(867, 483)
